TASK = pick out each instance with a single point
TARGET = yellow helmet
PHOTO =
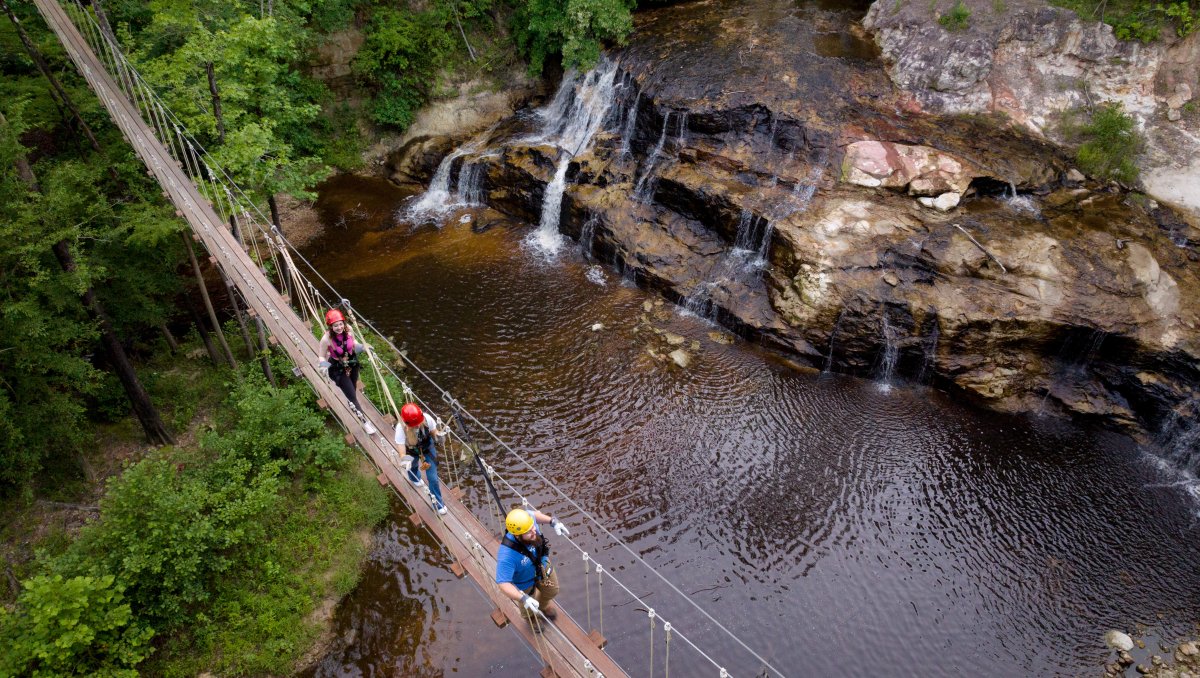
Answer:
(518, 521)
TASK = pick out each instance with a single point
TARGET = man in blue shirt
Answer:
(523, 569)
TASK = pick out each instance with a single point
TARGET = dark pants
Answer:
(347, 382)
(429, 453)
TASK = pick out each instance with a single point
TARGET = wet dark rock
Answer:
(416, 161)
(1079, 301)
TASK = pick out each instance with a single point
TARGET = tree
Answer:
(576, 29)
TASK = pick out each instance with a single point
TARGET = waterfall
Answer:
(470, 184)
(644, 189)
(629, 126)
(930, 351)
(587, 234)
(837, 324)
(546, 237)
(700, 302)
(436, 200)
(753, 241)
(891, 349)
(571, 120)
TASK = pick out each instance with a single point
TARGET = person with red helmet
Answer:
(416, 432)
(339, 353)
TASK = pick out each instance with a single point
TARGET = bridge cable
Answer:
(201, 156)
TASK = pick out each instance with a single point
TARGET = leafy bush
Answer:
(278, 424)
(170, 532)
(957, 19)
(576, 29)
(72, 627)
(399, 60)
(1141, 20)
(1110, 142)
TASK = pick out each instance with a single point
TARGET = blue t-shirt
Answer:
(514, 568)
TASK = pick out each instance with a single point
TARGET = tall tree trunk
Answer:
(285, 279)
(212, 314)
(216, 101)
(200, 329)
(146, 413)
(55, 85)
(264, 352)
(102, 19)
(171, 343)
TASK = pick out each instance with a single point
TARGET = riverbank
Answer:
(226, 552)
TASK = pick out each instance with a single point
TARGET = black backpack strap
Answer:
(524, 550)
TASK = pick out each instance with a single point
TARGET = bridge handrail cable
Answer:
(222, 182)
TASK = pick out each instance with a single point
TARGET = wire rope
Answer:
(219, 179)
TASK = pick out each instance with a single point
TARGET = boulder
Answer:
(919, 170)
(1118, 641)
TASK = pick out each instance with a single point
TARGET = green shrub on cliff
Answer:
(1141, 20)
(1110, 141)
(575, 28)
(957, 19)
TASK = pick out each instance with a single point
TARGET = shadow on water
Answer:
(834, 526)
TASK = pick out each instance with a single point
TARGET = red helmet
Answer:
(334, 316)
(411, 414)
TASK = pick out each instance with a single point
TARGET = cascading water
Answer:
(587, 235)
(436, 201)
(629, 126)
(574, 116)
(837, 325)
(930, 351)
(470, 184)
(644, 189)
(753, 241)
(891, 350)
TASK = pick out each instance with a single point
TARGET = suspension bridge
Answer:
(240, 242)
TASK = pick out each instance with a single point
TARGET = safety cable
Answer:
(202, 157)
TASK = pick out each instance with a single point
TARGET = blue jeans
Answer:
(431, 476)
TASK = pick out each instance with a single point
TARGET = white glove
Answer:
(559, 529)
(440, 429)
(530, 604)
(406, 463)
(324, 364)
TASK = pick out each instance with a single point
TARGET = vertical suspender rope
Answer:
(587, 582)
(372, 359)
(456, 415)
(667, 659)
(650, 613)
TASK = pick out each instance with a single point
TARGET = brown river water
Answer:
(838, 526)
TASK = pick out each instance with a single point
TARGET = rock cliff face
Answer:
(1031, 62)
(757, 166)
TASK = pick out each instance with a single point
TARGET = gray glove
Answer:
(324, 364)
(559, 529)
(530, 604)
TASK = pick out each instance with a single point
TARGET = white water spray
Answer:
(573, 117)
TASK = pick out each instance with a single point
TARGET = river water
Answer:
(837, 526)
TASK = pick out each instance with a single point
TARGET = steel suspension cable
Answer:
(212, 176)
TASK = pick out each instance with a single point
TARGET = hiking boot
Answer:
(369, 428)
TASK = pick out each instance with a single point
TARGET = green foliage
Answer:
(72, 627)
(259, 622)
(269, 109)
(957, 19)
(1109, 142)
(1141, 20)
(170, 534)
(576, 29)
(399, 60)
(278, 424)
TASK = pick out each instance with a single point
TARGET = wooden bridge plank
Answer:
(458, 530)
